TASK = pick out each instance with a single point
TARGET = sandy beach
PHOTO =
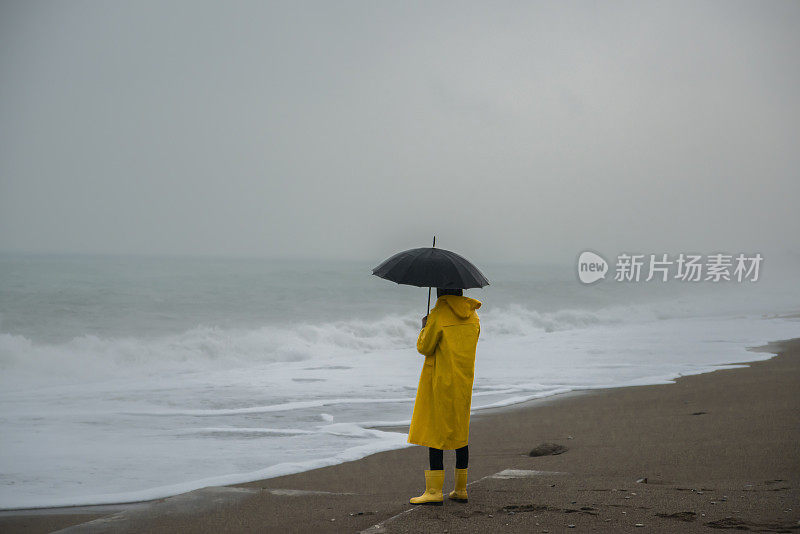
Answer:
(713, 451)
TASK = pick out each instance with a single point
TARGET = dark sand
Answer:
(719, 451)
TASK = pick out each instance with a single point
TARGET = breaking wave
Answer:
(203, 347)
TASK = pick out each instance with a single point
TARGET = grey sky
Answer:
(515, 131)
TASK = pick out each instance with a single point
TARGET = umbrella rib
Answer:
(469, 267)
(395, 263)
(460, 269)
(411, 264)
(464, 268)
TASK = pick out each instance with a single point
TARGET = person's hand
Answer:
(424, 321)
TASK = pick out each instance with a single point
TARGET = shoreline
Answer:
(478, 412)
(113, 507)
(190, 509)
(515, 369)
(310, 490)
(489, 411)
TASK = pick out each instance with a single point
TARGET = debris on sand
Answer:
(547, 449)
(680, 516)
(742, 524)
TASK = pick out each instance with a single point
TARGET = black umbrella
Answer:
(431, 267)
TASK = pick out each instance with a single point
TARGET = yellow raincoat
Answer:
(444, 395)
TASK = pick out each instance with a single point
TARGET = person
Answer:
(448, 340)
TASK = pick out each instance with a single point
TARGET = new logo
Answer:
(591, 267)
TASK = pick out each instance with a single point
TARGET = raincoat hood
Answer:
(462, 307)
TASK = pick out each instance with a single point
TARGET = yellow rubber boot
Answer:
(434, 480)
(460, 493)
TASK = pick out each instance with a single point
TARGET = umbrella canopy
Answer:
(431, 267)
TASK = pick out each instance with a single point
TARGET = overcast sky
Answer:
(515, 131)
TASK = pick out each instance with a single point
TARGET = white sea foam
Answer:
(89, 357)
(388, 441)
(102, 418)
(137, 436)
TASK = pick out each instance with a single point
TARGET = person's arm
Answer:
(429, 337)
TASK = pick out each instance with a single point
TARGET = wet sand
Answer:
(719, 451)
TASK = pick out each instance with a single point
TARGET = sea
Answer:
(128, 378)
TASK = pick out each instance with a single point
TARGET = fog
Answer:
(514, 131)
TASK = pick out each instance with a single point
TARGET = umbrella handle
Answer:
(429, 302)
(429, 289)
